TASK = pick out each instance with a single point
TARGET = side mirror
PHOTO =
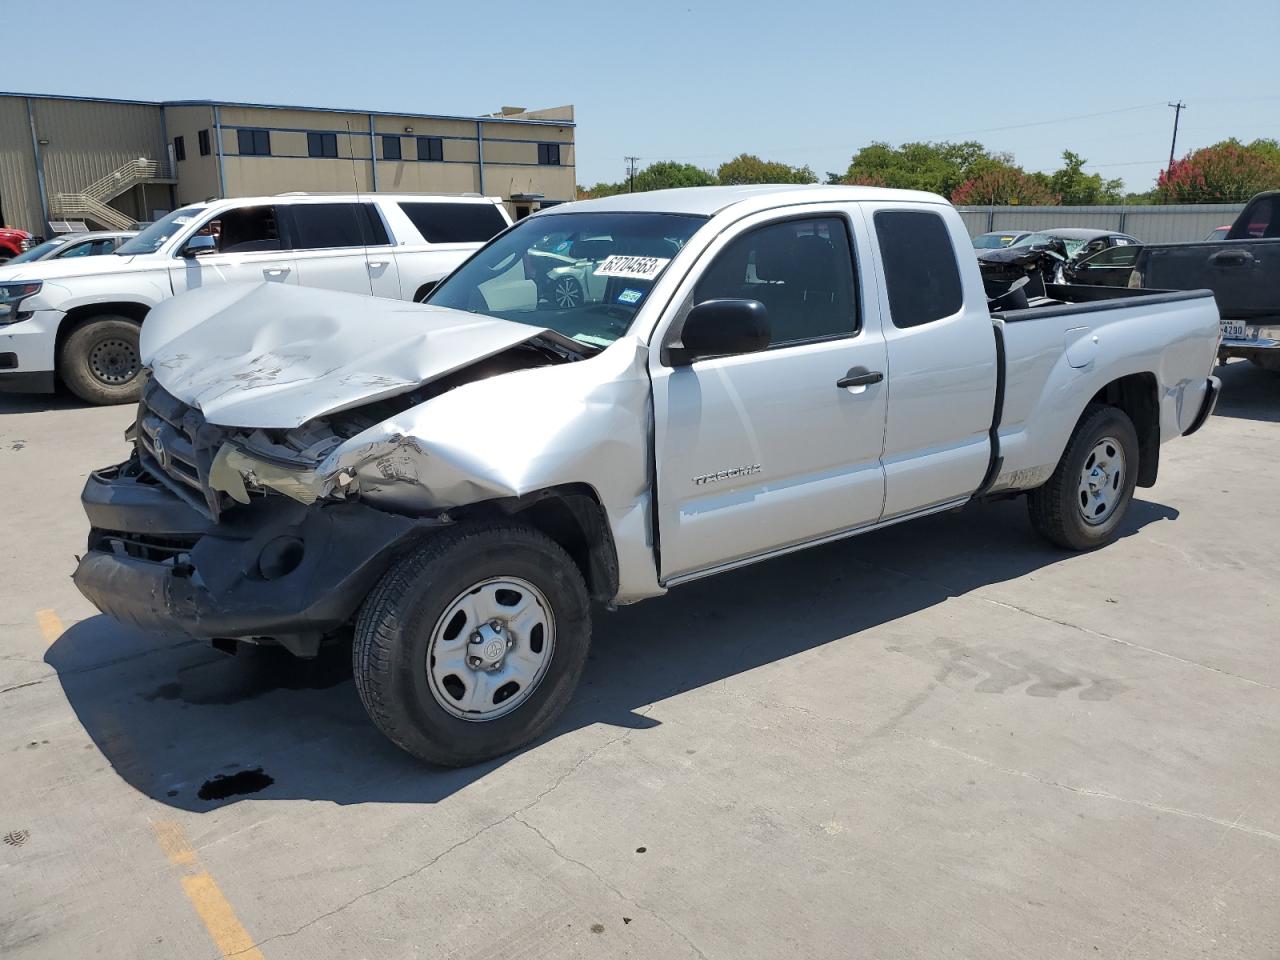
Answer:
(199, 245)
(717, 328)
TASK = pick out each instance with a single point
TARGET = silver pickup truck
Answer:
(610, 399)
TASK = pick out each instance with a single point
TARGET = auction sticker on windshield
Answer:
(634, 268)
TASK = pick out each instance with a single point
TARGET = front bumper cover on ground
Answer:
(274, 570)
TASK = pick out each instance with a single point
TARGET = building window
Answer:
(430, 148)
(390, 148)
(254, 143)
(322, 144)
(549, 154)
(179, 149)
(203, 141)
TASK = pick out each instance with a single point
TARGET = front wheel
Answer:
(472, 646)
(100, 362)
(1084, 501)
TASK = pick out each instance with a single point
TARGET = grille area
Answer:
(142, 546)
(176, 446)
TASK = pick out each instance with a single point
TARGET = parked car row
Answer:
(1239, 262)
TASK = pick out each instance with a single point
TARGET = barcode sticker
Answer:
(635, 268)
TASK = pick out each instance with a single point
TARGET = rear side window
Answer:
(455, 222)
(1260, 219)
(319, 226)
(920, 268)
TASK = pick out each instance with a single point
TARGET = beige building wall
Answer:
(510, 153)
(19, 189)
(90, 139)
(197, 175)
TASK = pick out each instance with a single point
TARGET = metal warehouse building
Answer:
(113, 162)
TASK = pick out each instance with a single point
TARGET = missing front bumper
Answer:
(272, 570)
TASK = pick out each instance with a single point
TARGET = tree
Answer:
(668, 173)
(1224, 172)
(1077, 188)
(748, 168)
(656, 176)
(936, 167)
(1004, 184)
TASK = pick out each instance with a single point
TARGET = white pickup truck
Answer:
(743, 372)
(78, 320)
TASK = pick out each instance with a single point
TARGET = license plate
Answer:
(1237, 330)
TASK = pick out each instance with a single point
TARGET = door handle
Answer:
(859, 377)
(275, 271)
(376, 264)
(1231, 258)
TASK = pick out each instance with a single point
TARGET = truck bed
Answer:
(1095, 335)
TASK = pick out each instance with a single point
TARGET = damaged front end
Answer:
(263, 534)
(1013, 276)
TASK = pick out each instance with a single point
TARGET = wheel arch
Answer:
(571, 515)
(1138, 395)
(78, 316)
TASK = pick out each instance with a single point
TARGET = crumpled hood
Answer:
(275, 356)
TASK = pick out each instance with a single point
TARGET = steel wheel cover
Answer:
(490, 649)
(1102, 481)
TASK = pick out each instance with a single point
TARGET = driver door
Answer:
(251, 248)
(760, 452)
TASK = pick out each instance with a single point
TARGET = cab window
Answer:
(801, 270)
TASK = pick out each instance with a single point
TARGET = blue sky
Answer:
(805, 82)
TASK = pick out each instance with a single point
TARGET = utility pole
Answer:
(1177, 112)
(631, 173)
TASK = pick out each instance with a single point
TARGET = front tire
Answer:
(471, 647)
(1083, 503)
(100, 362)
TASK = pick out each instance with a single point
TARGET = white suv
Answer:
(78, 320)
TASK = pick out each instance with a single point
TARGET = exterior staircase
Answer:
(93, 202)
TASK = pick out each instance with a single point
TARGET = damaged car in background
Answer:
(737, 373)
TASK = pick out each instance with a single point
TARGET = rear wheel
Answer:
(100, 362)
(1084, 501)
(472, 646)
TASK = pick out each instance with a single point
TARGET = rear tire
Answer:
(402, 627)
(1083, 503)
(99, 361)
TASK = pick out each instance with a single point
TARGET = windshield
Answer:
(1073, 244)
(153, 238)
(993, 241)
(583, 275)
(38, 252)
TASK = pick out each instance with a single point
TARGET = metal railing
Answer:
(93, 201)
(70, 205)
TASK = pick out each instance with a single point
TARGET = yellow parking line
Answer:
(211, 906)
(50, 625)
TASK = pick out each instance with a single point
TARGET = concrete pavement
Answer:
(943, 739)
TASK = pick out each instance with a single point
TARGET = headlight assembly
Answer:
(11, 297)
